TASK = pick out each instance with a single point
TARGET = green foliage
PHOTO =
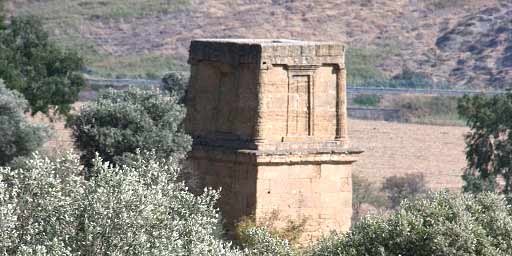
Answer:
(260, 242)
(47, 208)
(282, 237)
(176, 84)
(473, 183)
(407, 187)
(425, 109)
(440, 224)
(17, 136)
(363, 70)
(266, 238)
(362, 64)
(364, 192)
(46, 75)
(368, 100)
(120, 122)
(489, 144)
(2, 14)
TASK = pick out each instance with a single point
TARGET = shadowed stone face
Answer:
(268, 118)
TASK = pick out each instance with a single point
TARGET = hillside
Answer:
(450, 42)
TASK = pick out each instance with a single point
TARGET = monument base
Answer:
(314, 187)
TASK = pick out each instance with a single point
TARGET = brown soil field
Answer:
(399, 148)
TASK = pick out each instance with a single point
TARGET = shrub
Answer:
(47, 208)
(368, 100)
(260, 242)
(364, 192)
(417, 78)
(425, 109)
(440, 224)
(251, 234)
(120, 122)
(407, 187)
(47, 76)
(176, 84)
(17, 136)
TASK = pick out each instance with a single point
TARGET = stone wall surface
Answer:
(268, 118)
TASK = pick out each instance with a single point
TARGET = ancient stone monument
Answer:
(269, 123)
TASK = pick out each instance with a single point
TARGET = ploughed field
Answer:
(399, 148)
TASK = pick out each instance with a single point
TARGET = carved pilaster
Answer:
(341, 106)
(258, 137)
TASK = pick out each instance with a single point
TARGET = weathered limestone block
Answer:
(268, 118)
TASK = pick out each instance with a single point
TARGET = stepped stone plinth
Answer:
(269, 123)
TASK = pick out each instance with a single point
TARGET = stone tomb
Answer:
(269, 123)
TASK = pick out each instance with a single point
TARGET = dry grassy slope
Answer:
(409, 27)
(397, 149)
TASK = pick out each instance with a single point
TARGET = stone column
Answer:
(341, 106)
(258, 138)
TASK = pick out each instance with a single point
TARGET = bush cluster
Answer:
(440, 224)
(407, 187)
(266, 238)
(120, 122)
(176, 84)
(368, 100)
(47, 208)
(18, 137)
(425, 109)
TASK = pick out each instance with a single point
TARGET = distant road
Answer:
(442, 92)
(351, 90)
(122, 82)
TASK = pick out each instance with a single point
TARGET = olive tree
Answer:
(120, 122)
(438, 224)
(48, 208)
(18, 137)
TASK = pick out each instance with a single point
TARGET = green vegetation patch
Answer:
(425, 109)
(150, 66)
(362, 64)
(363, 69)
(367, 100)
